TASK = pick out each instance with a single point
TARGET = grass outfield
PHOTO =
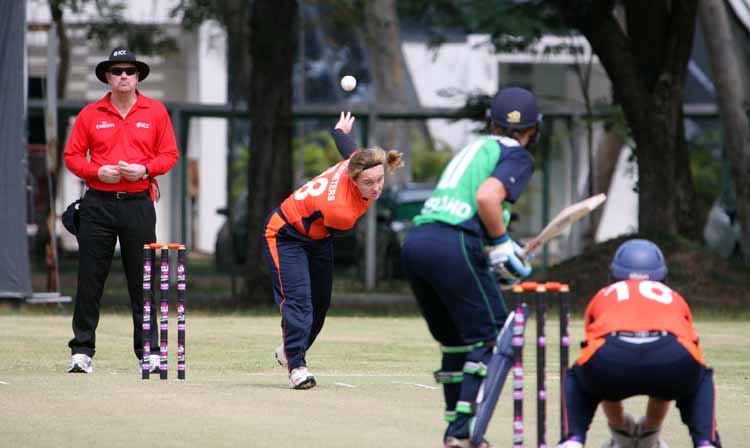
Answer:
(375, 387)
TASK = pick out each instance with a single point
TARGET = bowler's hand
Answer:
(133, 171)
(109, 174)
(345, 122)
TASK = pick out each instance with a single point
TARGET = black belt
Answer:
(640, 334)
(120, 195)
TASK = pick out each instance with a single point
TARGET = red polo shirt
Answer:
(145, 136)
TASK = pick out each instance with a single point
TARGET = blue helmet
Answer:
(514, 108)
(638, 260)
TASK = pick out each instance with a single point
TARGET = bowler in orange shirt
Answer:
(639, 340)
(299, 248)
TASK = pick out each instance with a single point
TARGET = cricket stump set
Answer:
(542, 292)
(149, 259)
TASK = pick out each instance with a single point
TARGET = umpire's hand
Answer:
(109, 174)
(133, 171)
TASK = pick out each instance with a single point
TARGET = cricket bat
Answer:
(562, 221)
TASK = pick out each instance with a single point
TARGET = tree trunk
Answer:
(647, 68)
(727, 74)
(235, 16)
(270, 105)
(56, 12)
(389, 75)
(607, 154)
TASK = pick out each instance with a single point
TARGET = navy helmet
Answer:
(638, 260)
(514, 108)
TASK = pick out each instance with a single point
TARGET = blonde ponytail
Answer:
(395, 161)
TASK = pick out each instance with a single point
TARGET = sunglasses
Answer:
(117, 71)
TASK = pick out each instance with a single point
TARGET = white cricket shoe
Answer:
(80, 363)
(648, 438)
(453, 442)
(651, 441)
(153, 364)
(570, 444)
(624, 437)
(301, 378)
(281, 356)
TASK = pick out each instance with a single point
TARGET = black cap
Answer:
(121, 55)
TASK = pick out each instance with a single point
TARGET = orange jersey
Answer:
(329, 200)
(638, 305)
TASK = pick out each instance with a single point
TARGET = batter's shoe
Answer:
(624, 437)
(301, 378)
(453, 442)
(706, 444)
(80, 363)
(570, 444)
(281, 356)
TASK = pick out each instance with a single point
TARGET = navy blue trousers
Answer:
(461, 303)
(662, 369)
(302, 275)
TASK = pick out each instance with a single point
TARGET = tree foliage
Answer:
(509, 25)
(643, 45)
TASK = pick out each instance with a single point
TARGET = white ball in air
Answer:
(348, 83)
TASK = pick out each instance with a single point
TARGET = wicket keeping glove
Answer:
(504, 259)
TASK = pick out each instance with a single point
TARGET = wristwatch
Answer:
(145, 175)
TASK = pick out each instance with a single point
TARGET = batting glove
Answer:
(504, 259)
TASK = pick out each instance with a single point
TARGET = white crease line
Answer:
(423, 386)
(344, 385)
(3, 382)
(339, 375)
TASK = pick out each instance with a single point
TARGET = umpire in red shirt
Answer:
(117, 146)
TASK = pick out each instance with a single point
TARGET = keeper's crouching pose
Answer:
(639, 340)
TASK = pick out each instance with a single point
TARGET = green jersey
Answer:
(454, 199)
